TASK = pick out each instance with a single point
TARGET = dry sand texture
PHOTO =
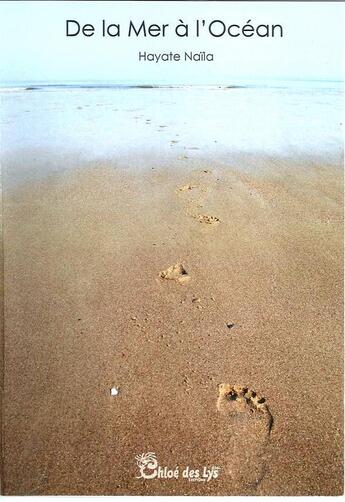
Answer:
(88, 308)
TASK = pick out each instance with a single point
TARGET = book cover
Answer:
(172, 217)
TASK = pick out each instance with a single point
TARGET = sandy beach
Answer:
(254, 302)
(86, 310)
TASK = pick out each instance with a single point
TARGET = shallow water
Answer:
(58, 126)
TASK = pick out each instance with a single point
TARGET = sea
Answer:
(52, 126)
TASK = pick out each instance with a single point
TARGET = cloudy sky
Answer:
(34, 46)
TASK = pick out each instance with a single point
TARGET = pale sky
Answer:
(34, 46)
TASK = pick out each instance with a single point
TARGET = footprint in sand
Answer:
(247, 423)
(185, 188)
(205, 218)
(176, 273)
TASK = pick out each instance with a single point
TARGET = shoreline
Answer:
(30, 166)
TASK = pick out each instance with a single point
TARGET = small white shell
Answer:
(114, 391)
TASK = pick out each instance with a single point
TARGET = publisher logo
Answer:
(149, 468)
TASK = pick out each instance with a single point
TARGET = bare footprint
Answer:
(176, 273)
(247, 423)
(184, 188)
(205, 218)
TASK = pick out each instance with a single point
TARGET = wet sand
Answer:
(86, 309)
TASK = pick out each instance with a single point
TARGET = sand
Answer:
(87, 310)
